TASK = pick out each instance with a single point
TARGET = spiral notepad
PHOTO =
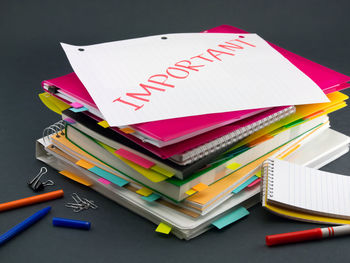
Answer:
(304, 189)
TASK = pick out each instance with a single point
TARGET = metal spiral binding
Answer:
(268, 173)
(56, 128)
(230, 138)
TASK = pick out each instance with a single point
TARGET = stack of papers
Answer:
(176, 127)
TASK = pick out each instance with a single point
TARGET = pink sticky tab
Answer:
(76, 105)
(104, 181)
(135, 158)
(69, 120)
(254, 183)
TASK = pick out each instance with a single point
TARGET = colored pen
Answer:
(71, 223)
(24, 225)
(31, 200)
(312, 234)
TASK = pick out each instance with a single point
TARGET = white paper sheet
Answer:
(178, 75)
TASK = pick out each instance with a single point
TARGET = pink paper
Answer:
(104, 181)
(135, 158)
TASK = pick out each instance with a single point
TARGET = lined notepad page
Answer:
(309, 189)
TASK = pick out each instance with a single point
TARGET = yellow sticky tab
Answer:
(162, 171)
(104, 124)
(84, 164)
(74, 177)
(144, 191)
(127, 130)
(258, 173)
(53, 103)
(233, 166)
(163, 228)
(190, 192)
(335, 107)
(200, 187)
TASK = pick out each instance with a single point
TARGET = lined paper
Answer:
(310, 189)
(147, 79)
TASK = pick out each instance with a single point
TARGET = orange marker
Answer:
(31, 200)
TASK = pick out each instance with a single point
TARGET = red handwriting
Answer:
(181, 70)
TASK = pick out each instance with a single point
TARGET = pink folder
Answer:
(163, 130)
(328, 80)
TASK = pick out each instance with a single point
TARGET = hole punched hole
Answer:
(164, 38)
(241, 36)
(81, 49)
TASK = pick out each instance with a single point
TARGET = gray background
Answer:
(30, 32)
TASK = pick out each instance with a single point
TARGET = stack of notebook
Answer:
(191, 173)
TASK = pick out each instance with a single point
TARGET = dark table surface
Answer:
(30, 32)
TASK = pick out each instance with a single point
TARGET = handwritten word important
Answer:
(181, 70)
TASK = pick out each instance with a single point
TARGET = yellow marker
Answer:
(200, 187)
(144, 191)
(233, 166)
(163, 228)
(84, 164)
(104, 124)
(190, 192)
(75, 178)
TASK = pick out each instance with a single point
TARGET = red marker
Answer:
(312, 234)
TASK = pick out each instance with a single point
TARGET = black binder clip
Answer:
(36, 185)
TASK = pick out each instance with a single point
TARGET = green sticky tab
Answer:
(230, 218)
(108, 176)
(233, 166)
(245, 184)
(151, 198)
(294, 123)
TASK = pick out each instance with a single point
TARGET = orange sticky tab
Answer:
(127, 130)
(200, 187)
(104, 124)
(76, 178)
(314, 115)
(84, 164)
(260, 140)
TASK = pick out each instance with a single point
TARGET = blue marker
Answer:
(24, 225)
(71, 223)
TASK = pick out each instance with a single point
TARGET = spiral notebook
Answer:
(189, 151)
(306, 190)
